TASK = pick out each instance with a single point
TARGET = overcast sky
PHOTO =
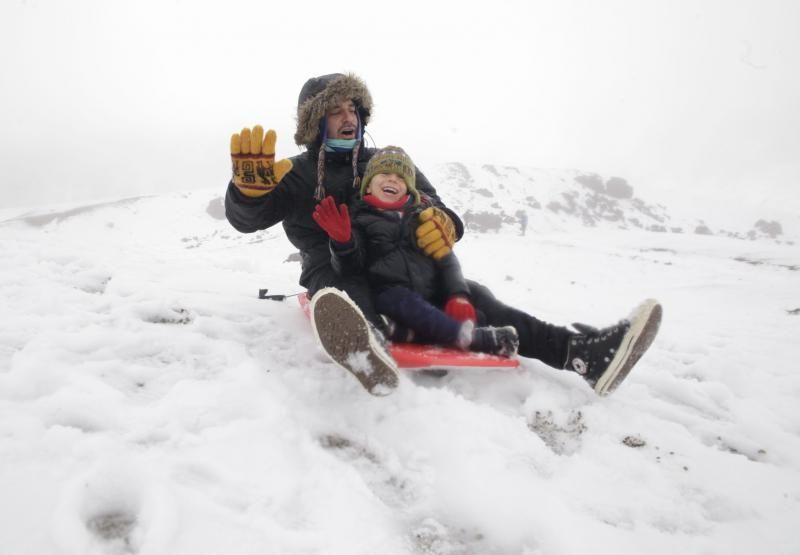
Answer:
(107, 98)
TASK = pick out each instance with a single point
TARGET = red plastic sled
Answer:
(414, 356)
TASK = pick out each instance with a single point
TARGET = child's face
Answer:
(387, 187)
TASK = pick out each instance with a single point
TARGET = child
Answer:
(377, 237)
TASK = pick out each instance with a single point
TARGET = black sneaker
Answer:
(351, 342)
(604, 357)
(502, 341)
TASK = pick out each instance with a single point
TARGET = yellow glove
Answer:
(437, 233)
(255, 172)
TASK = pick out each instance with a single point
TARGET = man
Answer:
(332, 113)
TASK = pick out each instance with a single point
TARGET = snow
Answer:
(150, 403)
(359, 362)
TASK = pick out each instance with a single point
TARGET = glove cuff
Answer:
(459, 308)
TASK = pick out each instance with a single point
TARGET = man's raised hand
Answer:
(436, 233)
(255, 172)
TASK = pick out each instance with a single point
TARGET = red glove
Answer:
(336, 223)
(459, 308)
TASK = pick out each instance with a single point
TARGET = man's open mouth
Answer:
(348, 132)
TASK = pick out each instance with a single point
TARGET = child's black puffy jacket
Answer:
(384, 246)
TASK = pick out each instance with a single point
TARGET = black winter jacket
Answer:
(292, 203)
(384, 246)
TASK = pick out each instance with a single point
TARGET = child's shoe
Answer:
(502, 341)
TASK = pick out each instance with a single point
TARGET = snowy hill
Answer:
(150, 404)
(493, 197)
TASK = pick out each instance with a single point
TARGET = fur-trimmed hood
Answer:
(319, 94)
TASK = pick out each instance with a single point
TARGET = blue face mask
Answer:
(340, 145)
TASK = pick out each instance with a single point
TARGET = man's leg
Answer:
(537, 339)
(603, 357)
(357, 289)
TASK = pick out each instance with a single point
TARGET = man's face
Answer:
(342, 121)
(388, 187)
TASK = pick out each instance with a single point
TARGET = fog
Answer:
(699, 100)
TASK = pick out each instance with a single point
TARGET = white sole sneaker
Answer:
(645, 321)
(345, 335)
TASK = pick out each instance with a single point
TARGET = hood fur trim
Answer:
(310, 112)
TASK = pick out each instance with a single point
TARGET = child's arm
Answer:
(345, 242)
(348, 259)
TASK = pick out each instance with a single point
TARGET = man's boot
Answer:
(351, 341)
(604, 357)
